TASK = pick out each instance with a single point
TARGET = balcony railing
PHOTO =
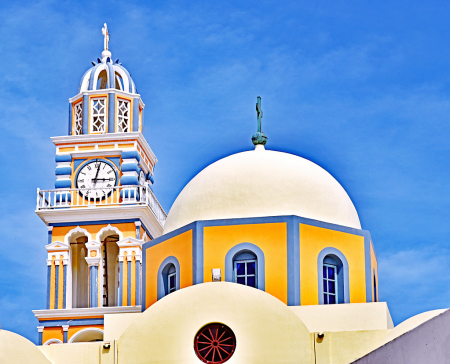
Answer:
(99, 197)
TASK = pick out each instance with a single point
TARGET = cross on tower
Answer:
(259, 137)
(106, 35)
(259, 113)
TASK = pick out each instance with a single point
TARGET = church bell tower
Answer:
(102, 208)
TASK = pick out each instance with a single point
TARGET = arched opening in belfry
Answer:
(80, 273)
(111, 274)
(119, 82)
(102, 80)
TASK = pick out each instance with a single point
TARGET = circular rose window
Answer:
(214, 343)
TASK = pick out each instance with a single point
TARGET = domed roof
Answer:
(266, 330)
(16, 349)
(262, 183)
(106, 74)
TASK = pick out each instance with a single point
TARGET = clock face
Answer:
(96, 179)
(142, 178)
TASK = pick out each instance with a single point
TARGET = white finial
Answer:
(106, 53)
(106, 35)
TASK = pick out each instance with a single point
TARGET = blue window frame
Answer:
(330, 284)
(171, 282)
(245, 272)
(170, 279)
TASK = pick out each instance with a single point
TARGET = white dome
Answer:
(262, 183)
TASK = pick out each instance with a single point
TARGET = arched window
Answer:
(119, 82)
(102, 80)
(245, 265)
(80, 275)
(333, 280)
(169, 278)
(110, 255)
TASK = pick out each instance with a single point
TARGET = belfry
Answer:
(261, 259)
(102, 209)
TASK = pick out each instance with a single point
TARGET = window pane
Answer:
(332, 299)
(172, 281)
(324, 272)
(251, 281)
(325, 285)
(240, 268)
(240, 280)
(251, 268)
(325, 299)
(331, 287)
(330, 273)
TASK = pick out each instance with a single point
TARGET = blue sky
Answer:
(361, 88)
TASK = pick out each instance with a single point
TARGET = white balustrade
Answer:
(112, 196)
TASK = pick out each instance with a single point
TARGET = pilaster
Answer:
(130, 260)
(57, 261)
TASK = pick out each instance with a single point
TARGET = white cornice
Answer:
(76, 215)
(69, 140)
(85, 312)
(107, 91)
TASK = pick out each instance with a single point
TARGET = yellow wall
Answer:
(74, 329)
(374, 264)
(270, 238)
(312, 241)
(180, 247)
(52, 333)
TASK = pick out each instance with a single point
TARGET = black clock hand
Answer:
(96, 175)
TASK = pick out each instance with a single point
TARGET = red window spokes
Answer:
(215, 343)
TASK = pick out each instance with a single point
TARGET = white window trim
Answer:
(128, 103)
(78, 121)
(105, 125)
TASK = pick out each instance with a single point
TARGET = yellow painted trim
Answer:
(133, 280)
(126, 145)
(79, 101)
(130, 100)
(69, 318)
(108, 146)
(88, 147)
(52, 284)
(66, 149)
(125, 280)
(107, 109)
